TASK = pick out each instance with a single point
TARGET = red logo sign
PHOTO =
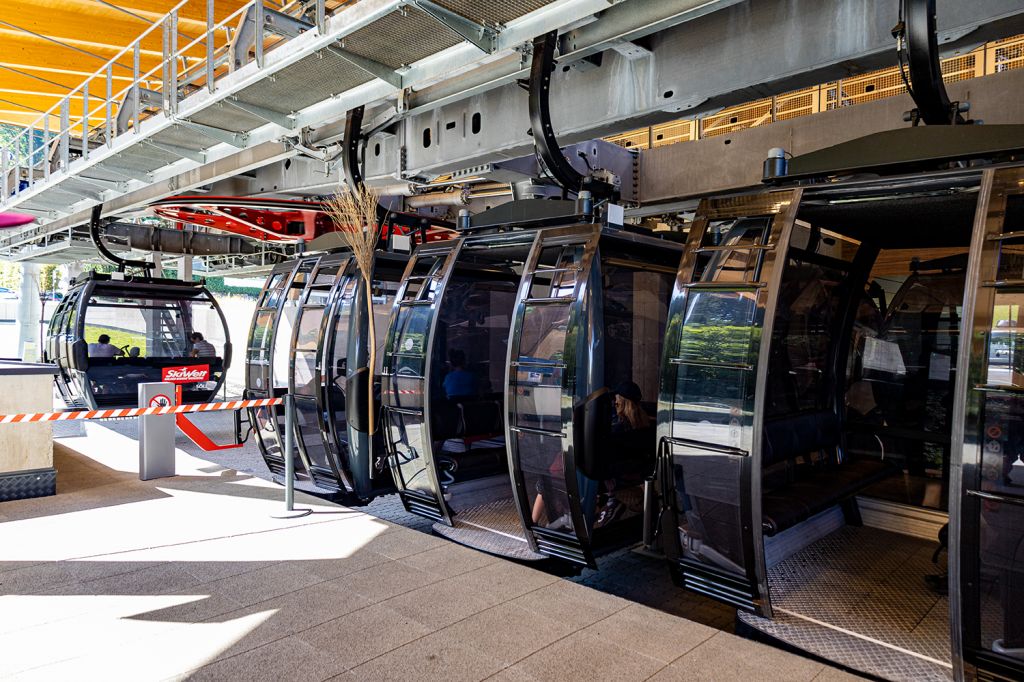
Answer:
(186, 375)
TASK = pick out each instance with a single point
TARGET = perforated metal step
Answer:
(493, 528)
(858, 597)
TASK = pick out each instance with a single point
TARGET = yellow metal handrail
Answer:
(994, 57)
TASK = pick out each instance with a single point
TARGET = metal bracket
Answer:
(79, 193)
(370, 66)
(103, 183)
(268, 115)
(927, 87)
(484, 37)
(544, 140)
(238, 140)
(350, 148)
(111, 167)
(283, 24)
(135, 100)
(183, 152)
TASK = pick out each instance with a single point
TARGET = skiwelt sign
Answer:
(186, 375)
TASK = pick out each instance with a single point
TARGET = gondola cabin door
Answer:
(987, 503)
(710, 408)
(406, 379)
(547, 377)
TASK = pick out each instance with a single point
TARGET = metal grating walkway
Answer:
(492, 527)
(858, 597)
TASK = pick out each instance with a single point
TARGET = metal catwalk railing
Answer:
(110, 102)
(991, 58)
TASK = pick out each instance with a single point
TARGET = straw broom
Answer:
(355, 215)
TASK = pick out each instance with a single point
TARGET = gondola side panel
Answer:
(712, 396)
(987, 482)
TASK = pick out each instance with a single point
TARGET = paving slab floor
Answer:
(191, 577)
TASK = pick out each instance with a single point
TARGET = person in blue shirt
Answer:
(459, 382)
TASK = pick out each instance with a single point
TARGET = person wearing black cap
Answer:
(629, 416)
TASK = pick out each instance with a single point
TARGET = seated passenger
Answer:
(104, 349)
(134, 352)
(459, 382)
(201, 348)
(629, 416)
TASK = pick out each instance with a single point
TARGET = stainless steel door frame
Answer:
(429, 296)
(338, 476)
(300, 444)
(337, 307)
(268, 342)
(572, 544)
(742, 585)
(972, 436)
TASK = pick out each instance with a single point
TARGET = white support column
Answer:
(185, 268)
(29, 309)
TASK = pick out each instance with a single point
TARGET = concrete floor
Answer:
(190, 577)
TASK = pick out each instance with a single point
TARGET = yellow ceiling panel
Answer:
(52, 46)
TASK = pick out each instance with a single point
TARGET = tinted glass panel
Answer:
(305, 374)
(1006, 341)
(1001, 578)
(543, 334)
(407, 436)
(737, 232)
(806, 317)
(271, 295)
(151, 327)
(308, 430)
(718, 327)
(538, 396)
(557, 271)
(309, 329)
(283, 341)
(902, 371)
(261, 329)
(1002, 457)
(411, 342)
(712, 404)
(708, 495)
(544, 477)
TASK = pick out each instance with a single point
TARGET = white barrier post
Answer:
(156, 432)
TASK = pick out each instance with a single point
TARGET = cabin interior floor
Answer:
(858, 597)
(485, 518)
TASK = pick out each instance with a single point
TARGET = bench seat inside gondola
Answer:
(801, 475)
(470, 420)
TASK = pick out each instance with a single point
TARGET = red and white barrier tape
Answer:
(135, 411)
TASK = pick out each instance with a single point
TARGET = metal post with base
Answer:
(290, 512)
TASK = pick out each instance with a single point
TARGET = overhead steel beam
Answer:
(742, 53)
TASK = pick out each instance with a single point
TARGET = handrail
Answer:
(176, 66)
